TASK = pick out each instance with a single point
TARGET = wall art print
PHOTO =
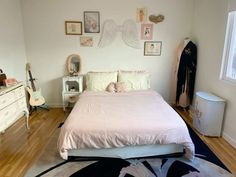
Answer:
(86, 41)
(152, 48)
(73, 27)
(91, 22)
(146, 31)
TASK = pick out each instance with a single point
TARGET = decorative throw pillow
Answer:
(98, 81)
(135, 80)
(121, 87)
(111, 87)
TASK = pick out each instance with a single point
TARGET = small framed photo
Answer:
(146, 31)
(86, 41)
(91, 22)
(73, 27)
(141, 15)
(152, 48)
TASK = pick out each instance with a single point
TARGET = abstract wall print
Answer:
(73, 27)
(146, 31)
(141, 15)
(86, 41)
(152, 48)
(91, 22)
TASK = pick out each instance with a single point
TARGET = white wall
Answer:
(209, 31)
(48, 46)
(12, 48)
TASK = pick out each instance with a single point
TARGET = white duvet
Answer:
(108, 120)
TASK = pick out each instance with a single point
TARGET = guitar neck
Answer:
(32, 81)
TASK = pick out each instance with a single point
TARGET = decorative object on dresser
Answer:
(12, 105)
(10, 81)
(36, 98)
(73, 64)
(2, 77)
(72, 87)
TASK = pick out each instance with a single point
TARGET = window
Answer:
(228, 69)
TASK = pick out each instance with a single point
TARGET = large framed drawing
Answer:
(152, 48)
(91, 22)
(73, 27)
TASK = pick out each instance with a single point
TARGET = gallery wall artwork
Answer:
(73, 27)
(141, 15)
(152, 48)
(110, 30)
(156, 18)
(91, 22)
(86, 41)
(128, 29)
(146, 31)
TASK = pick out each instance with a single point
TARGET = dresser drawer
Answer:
(21, 104)
(6, 99)
(19, 92)
(7, 114)
(11, 113)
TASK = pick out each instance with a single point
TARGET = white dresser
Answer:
(12, 106)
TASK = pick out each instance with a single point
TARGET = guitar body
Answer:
(36, 98)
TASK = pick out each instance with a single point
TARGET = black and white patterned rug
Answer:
(205, 164)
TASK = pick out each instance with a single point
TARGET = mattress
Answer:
(104, 120)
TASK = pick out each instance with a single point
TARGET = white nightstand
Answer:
(72, 86)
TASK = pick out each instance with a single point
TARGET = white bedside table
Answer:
(72, 86)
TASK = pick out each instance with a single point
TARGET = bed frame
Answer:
(130, 151)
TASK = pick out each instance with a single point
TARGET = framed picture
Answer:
(91, 22)
(152, 48)
(86, 41)
(146, 31)
(141, 15)
(73, 27)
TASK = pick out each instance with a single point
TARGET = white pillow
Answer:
(135, 80)
(98, 81)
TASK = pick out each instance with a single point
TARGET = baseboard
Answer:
(55, 106)
(229, 140)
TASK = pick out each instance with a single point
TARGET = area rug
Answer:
(205, 164)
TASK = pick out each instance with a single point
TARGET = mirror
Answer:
(73, 64)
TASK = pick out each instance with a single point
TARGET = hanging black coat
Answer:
(187, 71)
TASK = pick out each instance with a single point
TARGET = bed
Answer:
(103, 120)
(136, 122)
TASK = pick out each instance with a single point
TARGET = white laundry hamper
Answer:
(208, 114)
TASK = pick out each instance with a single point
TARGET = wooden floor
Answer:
(19, 148)
(224, 151)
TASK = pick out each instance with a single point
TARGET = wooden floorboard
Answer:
(19, 148)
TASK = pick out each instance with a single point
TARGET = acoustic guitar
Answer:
(36, 98)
